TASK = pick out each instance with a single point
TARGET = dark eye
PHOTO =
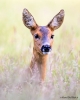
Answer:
(52, 36)
(36, 36)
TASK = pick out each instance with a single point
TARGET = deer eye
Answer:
(52, 36)
(36, 36)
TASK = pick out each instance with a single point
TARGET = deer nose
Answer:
(46, 48)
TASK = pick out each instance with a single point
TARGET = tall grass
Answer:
(63, 77)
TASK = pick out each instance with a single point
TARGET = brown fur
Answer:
(44, 32)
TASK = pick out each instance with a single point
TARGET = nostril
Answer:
(45, 48)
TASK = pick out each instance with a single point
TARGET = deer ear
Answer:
(56, 22)
(28, 20)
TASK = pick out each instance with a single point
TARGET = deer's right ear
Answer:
(28, 20)
(57, 21)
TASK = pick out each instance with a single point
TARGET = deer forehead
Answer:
(43, 31)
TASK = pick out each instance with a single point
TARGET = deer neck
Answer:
(39, 61)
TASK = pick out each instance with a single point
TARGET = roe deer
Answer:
(43, 39)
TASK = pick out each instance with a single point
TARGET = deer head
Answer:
(42, 35)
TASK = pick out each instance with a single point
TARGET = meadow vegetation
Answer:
(63, 77)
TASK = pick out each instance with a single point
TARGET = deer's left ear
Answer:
(28, 20)
(56, 22)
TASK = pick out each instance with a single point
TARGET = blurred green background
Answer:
(15, 38)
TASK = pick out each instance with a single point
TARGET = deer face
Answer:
(42, 35)
(43, 39)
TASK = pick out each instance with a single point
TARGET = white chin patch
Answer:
(45, 53)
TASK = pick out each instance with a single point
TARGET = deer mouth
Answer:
(46, 52)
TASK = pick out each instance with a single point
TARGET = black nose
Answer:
(46, 48)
